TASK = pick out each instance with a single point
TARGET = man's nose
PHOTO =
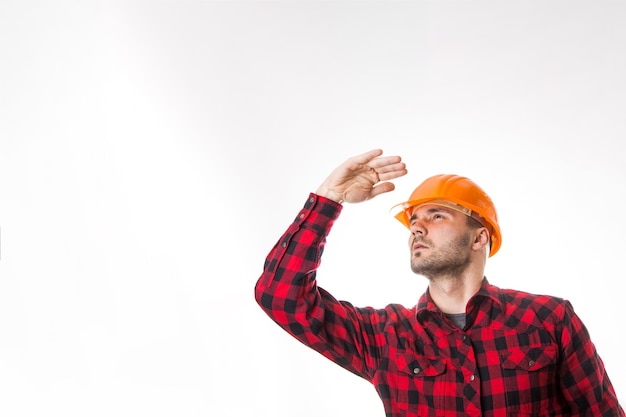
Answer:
(417, 227)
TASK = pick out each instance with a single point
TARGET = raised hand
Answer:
(362, 177)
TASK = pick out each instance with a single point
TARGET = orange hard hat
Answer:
(459, 193)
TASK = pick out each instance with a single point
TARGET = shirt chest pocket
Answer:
(529, 375)
(421, 384)
(422, 366)
(529, 359)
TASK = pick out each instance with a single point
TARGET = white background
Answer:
(152, 152)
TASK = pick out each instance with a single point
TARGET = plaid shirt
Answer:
(519, 354)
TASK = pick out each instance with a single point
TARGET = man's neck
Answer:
(451, 294)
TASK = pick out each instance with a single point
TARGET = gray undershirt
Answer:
(457, 319)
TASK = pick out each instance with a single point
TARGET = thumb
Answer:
(383, 187)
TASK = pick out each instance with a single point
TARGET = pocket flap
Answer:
(530, 358)
(421, 366)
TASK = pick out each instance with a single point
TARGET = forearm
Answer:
(287, 290)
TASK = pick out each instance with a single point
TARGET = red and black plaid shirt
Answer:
(519, 354)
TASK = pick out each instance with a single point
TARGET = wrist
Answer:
(329, 194)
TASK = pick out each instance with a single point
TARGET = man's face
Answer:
(440, 241)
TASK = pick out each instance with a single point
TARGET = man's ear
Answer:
(481, 239)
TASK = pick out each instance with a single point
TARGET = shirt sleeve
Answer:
(288, 293)
(584, 380)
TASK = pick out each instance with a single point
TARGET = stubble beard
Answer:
(448, 262)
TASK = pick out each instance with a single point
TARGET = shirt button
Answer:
(284, 244)
(472, 377)
(531, 363)
(302, 215)
(311, 200)
(416, 370)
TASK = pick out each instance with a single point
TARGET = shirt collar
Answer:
(486, 291)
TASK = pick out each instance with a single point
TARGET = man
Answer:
(467, 348)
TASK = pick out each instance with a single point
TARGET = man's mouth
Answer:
(419, 245)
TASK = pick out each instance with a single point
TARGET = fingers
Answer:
(384, 161)
(391, 171)
(389, 167)
(366, 157)
(381, 168)
(388, 164)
